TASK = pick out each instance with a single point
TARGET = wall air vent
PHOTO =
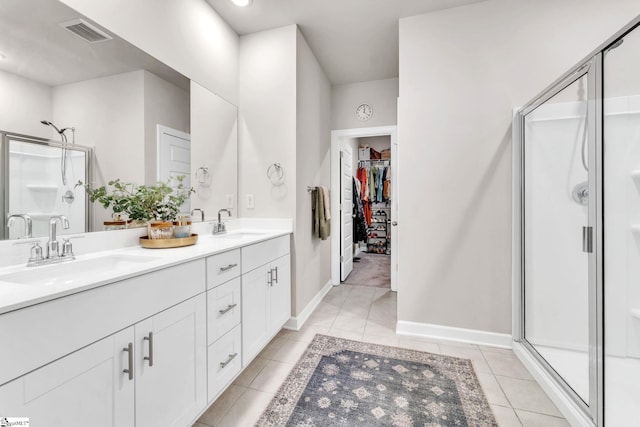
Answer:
(86, 31)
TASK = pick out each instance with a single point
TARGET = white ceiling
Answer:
(354, 40)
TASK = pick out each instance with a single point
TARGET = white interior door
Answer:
(174, 157)
(346, 212)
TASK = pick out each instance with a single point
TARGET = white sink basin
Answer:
(74, 271)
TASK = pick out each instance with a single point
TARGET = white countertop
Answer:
(89, 275)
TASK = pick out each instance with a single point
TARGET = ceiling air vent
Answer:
(86, 31)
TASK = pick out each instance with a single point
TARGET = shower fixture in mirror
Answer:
(38, 181)
(61, 70)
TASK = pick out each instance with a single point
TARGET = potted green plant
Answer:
(141, 203)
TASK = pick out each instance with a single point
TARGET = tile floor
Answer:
(369, 314)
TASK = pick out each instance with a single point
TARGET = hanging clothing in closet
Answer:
(359, 222)
(375, 187)
(363, 177)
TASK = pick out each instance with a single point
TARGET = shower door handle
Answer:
(587, 239)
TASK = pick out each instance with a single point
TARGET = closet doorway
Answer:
(364, 245)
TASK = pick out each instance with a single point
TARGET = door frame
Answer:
(336, 140)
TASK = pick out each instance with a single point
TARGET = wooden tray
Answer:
(148, 243)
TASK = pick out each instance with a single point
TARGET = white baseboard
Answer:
(295, 323)
(450, 333)
(574, 415)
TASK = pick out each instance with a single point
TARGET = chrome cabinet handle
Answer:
(228, 267)
(270, 277)
(231, 357)
(129, 349)
(150, 357)
(276, 270)
(229, 308)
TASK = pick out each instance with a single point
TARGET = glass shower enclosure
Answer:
(38, 179)
(577, 234)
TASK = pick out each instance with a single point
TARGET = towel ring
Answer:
(275, 173)
(203, 176)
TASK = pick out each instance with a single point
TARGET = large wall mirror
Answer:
(67, 82)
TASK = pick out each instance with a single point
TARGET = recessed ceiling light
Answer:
(242, 3)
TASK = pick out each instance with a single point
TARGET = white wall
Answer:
(312, 256)
(214, 145)
(380, 94)
(108, 114)
(284, 115)
(187, 35)
(23, 104)
(462, 71)
(267, 111)
(164, 104)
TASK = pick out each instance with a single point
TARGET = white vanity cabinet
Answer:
(104, 377)
(266, 293)
(145, 351)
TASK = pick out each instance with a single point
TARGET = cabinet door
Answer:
(255, 329)
(171, 374)
(87, 387)
(280, 294)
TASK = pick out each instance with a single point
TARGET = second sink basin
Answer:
(73, 271)
(239, 235)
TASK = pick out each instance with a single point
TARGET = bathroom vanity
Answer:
(139, 337)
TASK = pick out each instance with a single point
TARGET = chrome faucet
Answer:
(53, 246)
(220, 227)
(201, 213)
(28, 224)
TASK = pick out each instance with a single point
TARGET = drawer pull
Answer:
(129, 349)
(228, 267)
(150, 357)
(229, 308)
(231, 357)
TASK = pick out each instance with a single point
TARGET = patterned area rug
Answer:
(351, 383)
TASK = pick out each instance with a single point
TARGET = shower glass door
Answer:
(555, 208)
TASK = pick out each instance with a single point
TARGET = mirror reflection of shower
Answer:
(63, 160)
(580, 192)
(32, 186)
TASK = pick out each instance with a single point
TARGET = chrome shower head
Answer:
(48, 123)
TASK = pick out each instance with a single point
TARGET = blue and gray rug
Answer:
(351, 383)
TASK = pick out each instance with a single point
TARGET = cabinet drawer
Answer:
(254, 256)
(223, 309)
(224, 361)
(222, 268)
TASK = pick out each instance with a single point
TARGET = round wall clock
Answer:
(364, 112)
